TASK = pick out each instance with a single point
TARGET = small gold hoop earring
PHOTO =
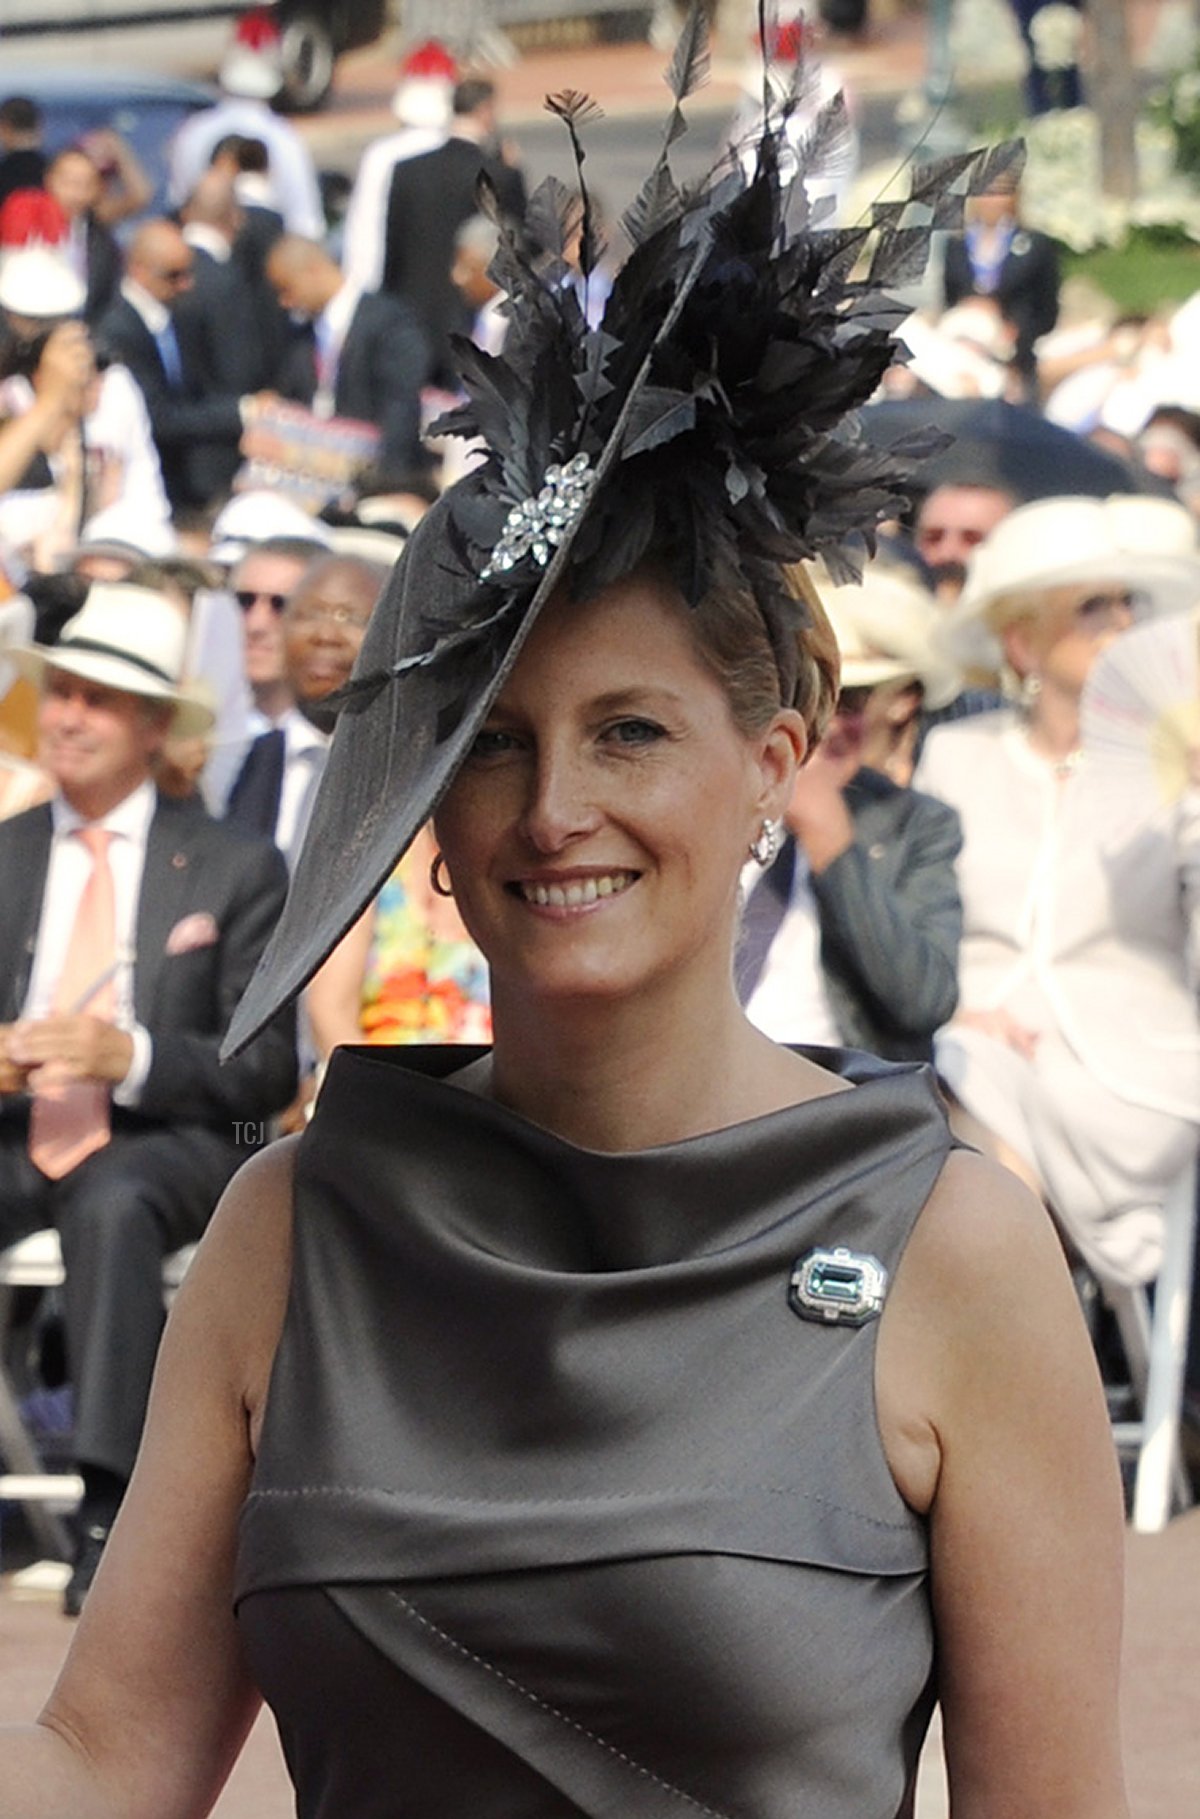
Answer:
(435, 877)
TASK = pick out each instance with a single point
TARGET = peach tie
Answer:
(69, 1119)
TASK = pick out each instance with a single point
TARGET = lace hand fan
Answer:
(1140, 715)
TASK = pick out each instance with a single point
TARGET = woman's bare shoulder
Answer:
(236, 1286)
(982, 1302)
(979, 1224)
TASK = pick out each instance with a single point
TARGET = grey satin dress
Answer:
(560, 1508)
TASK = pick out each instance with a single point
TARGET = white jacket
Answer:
(1093, 900)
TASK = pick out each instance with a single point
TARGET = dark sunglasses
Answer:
(175, 274)
(246, 598)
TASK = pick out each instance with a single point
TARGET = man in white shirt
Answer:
(251, 77)
(132, 924)
(423, 104)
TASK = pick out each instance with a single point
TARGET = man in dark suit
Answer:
(850, 937)
(361, 354)
(197, 424)
(132, 925)
(220, 293)
(1016, 267)
(429, 199)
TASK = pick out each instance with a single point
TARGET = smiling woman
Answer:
(626, 1419)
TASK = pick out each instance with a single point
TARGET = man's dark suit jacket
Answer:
(890, 917)
(217, 318)
(197, 429)
(104, 270)
(384, 363)
(430, 198)
(253, 804)
(1027, 291)
(199, 878)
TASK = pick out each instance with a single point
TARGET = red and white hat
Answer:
(425, 94)
(253, 65)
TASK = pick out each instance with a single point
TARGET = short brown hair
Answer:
(732, 638)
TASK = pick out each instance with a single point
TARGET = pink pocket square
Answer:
(197, 930)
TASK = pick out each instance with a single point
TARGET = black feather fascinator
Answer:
(707, 421)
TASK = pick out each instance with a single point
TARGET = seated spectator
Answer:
(850, 933)
(197, 425)
(890, 619)
(952, 520)
(78, 444)
(205, 765)
(133, 924)
(361, 354)
(1075, 1054)
(261, 584)
(407, 971)
(324, 623)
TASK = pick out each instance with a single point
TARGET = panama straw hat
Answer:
(127, 638)
(886, 629)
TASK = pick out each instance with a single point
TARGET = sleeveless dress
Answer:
(560, 1509)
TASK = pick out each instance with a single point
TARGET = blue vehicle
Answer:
(147, 111)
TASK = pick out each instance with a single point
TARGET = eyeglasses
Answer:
(1099, 611)
(246, 598)
(175, 274)
(309, 614)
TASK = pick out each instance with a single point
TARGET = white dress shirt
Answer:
(364, 235)
(790, 1003)
(294, 190)
(304, 750)
(66, 878)
(330, 329)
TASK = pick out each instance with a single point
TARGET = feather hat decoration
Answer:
(707, 422)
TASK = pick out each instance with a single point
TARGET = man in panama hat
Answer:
(132, 924)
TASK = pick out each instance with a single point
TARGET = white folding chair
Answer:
(36, 1262)
(1156, 1343)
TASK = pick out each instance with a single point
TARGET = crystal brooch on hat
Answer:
(838, 1287)
(540, 523)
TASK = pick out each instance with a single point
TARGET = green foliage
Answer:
(1153, 267)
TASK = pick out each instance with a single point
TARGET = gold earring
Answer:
(435, 878)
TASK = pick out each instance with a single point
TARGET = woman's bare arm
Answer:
(154, 1702)
(994, 1418)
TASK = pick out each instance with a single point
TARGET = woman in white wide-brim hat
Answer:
(1076, 1045)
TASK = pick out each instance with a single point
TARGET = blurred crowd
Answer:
(212, 449)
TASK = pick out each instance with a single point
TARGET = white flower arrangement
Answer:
(1061, 189)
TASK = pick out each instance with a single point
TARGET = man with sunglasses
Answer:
(261, 582)
(197, 425)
